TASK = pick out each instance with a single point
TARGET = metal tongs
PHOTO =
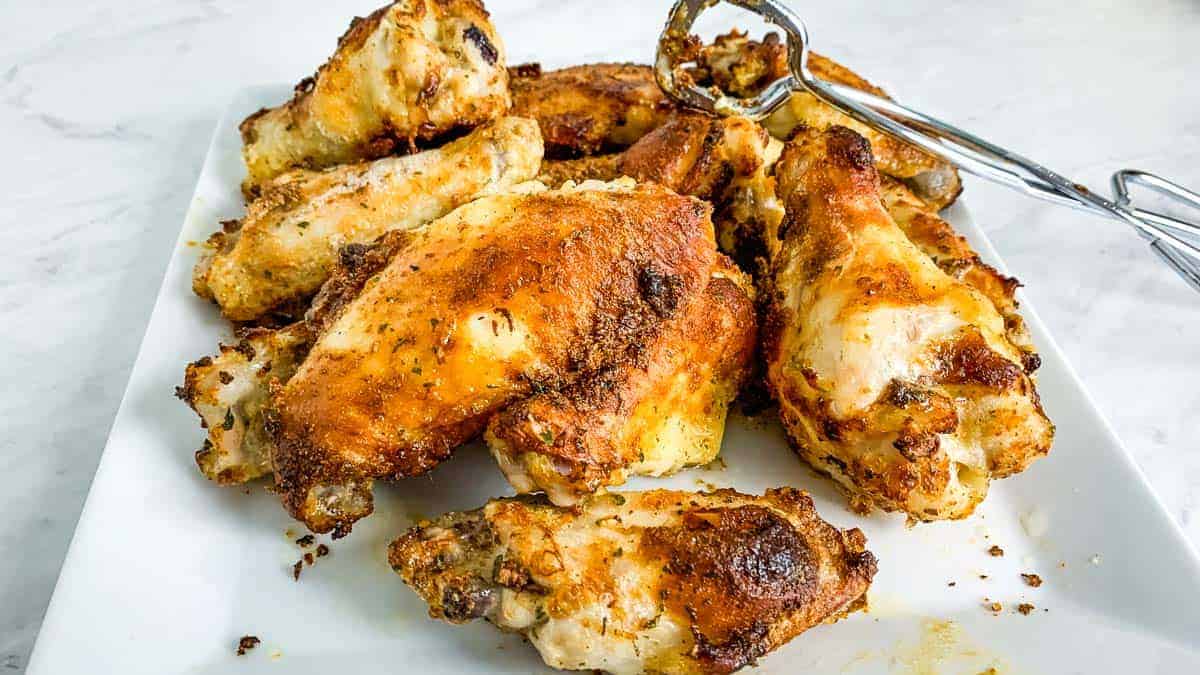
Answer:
(1176, 241)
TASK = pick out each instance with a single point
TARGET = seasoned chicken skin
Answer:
(657, 410)
(725, 160)
(650, 582)
(281, 252)
(411, 72)
(742, 67)
(432, 331)
(895, 377)
(584, 110)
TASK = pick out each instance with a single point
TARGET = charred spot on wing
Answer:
(848, 148)
(486, 48)
(661, 291)
(1030, 361)
(472, 599)
(739, 650)
(916, 446)
(528, 70)
(970, 360)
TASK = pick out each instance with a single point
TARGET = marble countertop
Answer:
(106, 116)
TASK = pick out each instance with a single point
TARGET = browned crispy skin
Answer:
(660, 581)
(661, 408)
(505, 295)
(409, 73)
(588, 109)
(902, 380)
(555, 172)
(953, 254)
(742, 67)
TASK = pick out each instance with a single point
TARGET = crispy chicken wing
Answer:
(895, 376)
(660, 582)
(742, 67)
(659, 409)
(284, 248)
(430, 332)
(584, 110)
(410, 72)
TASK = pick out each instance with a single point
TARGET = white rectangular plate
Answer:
(167, 571)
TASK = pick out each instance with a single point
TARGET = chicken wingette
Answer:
(409, 73)
(280, 253)
(901, 380)
(650, 582)
(419, 339)
(588, 109)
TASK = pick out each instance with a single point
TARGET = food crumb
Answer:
(952, 583)
(308, 558)
(983, 576)
(322, 550)
(246, 643)
(1032, 579)
(305, 541)
(1025, 608)
(296, 570)
(276, 654)
(995, 551)
(995, 607)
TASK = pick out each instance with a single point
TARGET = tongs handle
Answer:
(1176, 241)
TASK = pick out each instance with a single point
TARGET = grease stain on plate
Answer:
(941, 645)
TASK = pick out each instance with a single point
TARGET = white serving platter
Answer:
(166, 570)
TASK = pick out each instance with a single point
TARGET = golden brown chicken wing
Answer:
(281, 252)
(651, 582)
(900, 380)
(410, 72)
(657, 410)
(428, 334)
(585, 110)
(742, 67)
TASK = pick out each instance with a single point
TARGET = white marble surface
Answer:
(105, 115)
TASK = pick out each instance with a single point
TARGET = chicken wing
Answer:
(651, 582)
(284, 248)
(742, 67)
(411, 72)
(658, 410)
(584, 110)
(898, 379)
(436, 329)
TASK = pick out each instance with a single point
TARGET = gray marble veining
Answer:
(105, 115)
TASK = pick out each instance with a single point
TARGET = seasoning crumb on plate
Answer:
(995, 607)
(1032, 579)
(296, 570)
(1025, 608)
(995, 551)
(305, 541)
(322, 550)
(246, 643)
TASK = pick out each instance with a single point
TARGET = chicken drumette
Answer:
(899, 372)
